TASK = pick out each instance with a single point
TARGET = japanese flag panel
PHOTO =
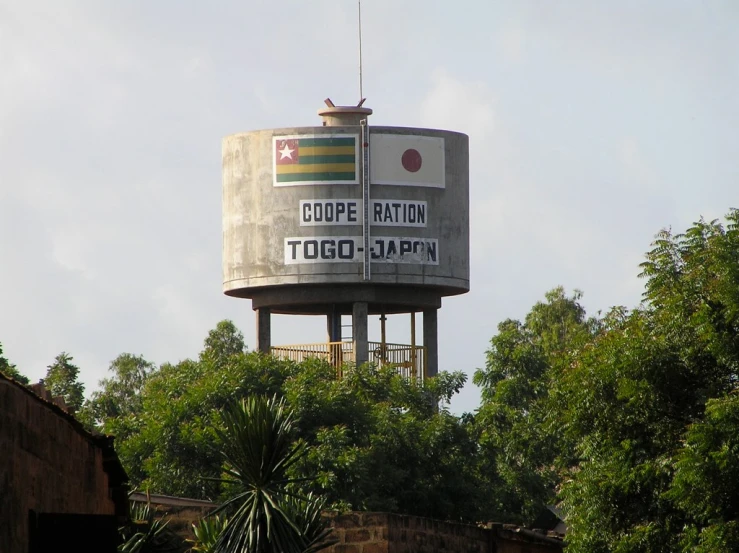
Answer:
(407, 160)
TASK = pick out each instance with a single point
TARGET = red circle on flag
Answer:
(411, 160)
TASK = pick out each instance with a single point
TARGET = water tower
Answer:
(347, 219)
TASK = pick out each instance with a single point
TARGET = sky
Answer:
(592, 125)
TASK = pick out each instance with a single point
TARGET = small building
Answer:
(59, 483)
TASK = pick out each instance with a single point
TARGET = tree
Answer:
(10, 370)
(378, 442)
(120, 395)
(626, 403)
(517, 432)
(169, 445)
(61, 380)
(706, 482)
(258, 446)
(223, 342)
(648, 405)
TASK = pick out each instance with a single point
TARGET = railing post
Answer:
(383, 341)
(413, 343)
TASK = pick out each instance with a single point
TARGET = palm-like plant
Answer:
(206, 533)
(306, 514)
(146, 533)
(258, 447)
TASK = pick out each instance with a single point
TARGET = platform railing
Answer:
(410, 361)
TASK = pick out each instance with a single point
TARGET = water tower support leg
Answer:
(431, 341)
(333, 325)
(264, 330)
(359, 332)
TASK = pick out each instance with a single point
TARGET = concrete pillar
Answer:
(431, 341)
(333, 325)
(359, 332)
(264, 330)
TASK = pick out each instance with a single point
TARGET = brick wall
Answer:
(359, 532)
(409, 534)
(48, 463)
(388, 533)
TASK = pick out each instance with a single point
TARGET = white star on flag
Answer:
(286, 152)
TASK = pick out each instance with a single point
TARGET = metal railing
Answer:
(410, 361)
(336, 353)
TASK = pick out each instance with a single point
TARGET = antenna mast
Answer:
(359, 11)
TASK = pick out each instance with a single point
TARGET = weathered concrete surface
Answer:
(264, 330)
(322, 298)
(359, 332)
(257, 217)
(431, 341)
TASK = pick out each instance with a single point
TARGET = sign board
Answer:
(349, 249)
(343, 211)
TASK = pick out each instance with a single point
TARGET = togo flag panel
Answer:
(407, 160)
(315, 159)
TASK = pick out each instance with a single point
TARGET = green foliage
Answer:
(10, 370)
(631, 418)
(648, 405)
(223, 342)
(258, 446)
(518, 431)
(207, 531)
(170, 444)
(624, 406)
(62, 380)
(307, 515)
(706, 482)
(378, 442)
(119, 396)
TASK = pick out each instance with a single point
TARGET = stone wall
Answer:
(359, 532)
(388, 533)
(50, 464)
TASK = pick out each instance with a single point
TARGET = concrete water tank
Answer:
(294, 234)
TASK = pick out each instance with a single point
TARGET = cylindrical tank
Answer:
(293, 216)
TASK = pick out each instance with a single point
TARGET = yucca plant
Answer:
(207, 532)
(306, 514)
(258, 447)
(146, 533)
